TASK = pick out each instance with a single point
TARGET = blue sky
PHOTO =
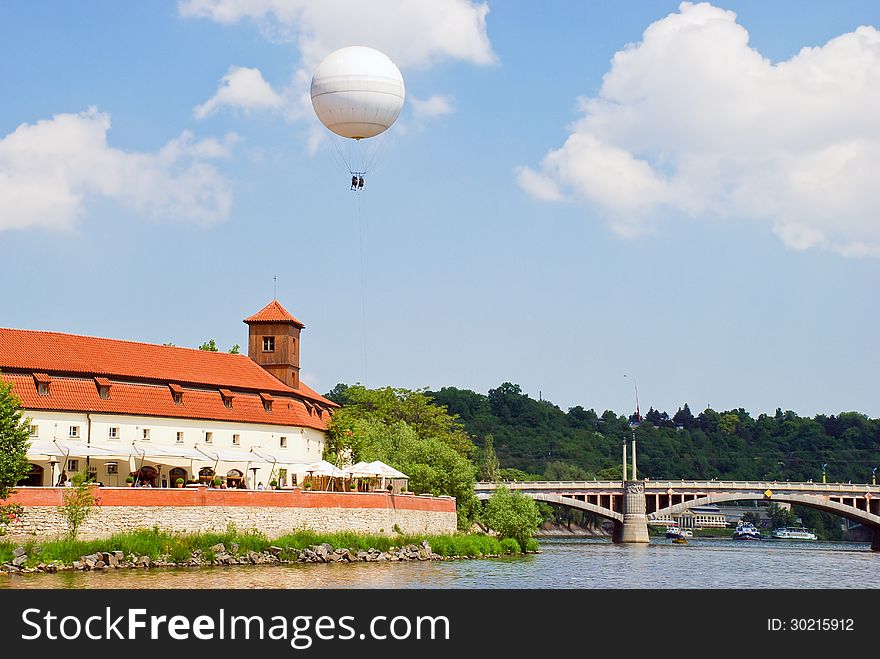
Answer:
(565, 198)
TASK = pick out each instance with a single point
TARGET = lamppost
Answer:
(824, 464)
(633, 425)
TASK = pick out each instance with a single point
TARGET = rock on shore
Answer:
(219, 555)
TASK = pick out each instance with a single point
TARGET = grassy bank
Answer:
(179, 547)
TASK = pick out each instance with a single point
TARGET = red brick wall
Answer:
(182, 497)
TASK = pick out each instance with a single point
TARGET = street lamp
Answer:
(824, 464)
(633, 425)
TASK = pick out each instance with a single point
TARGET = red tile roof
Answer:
(74, 394)
(68, 354)
(273, 313)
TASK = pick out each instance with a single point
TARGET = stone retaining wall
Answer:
(273, 513)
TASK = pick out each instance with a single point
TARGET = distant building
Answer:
(112, 408)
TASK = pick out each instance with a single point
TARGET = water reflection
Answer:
(578, 563)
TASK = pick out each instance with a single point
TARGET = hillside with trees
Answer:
(539, 440)
(447, 439)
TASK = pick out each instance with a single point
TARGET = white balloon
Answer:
(357, 92)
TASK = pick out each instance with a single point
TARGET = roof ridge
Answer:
(128, 341)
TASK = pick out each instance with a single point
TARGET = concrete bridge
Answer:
(632, 504)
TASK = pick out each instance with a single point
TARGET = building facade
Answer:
(158, 413)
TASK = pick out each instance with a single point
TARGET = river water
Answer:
(562, 563)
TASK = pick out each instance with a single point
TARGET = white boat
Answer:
(746, 531)
(794, 533)
(675, 532)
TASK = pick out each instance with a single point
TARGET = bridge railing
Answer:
(661, 486)
(848, 488)
(551, 485)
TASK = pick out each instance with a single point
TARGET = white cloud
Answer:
(49, 169)
(435, 106)
(242, 89)
(414, 33)
(692, 120)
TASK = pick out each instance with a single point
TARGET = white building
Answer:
(159, 413)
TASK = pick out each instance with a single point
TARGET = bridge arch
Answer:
(811, 501)
(566, 501)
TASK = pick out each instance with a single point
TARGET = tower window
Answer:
(268, 344)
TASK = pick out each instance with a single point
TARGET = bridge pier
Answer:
(634, 528)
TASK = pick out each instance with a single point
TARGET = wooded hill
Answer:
(539, 440)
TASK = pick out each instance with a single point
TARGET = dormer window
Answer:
(227, 398)
(267, 401)
(103, 385)
(268, 344)
(42, 381)
(176, 393)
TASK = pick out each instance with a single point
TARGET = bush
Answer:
(179, 481)
(512, 515)
(78, 502)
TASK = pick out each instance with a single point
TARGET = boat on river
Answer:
(746, 531)
(794, 533)
(676, 533)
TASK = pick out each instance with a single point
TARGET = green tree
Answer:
(78, 503)
(433, 466)
(408, 431)
(752, 517)
(780, 516)
(513, 474)
(728, 423)
(390, 405)
(490, 467)
(14, 440)
(512, 515)
(235, 350)
(209, 346)
(564, 471)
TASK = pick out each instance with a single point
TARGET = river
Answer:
(562, 563)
